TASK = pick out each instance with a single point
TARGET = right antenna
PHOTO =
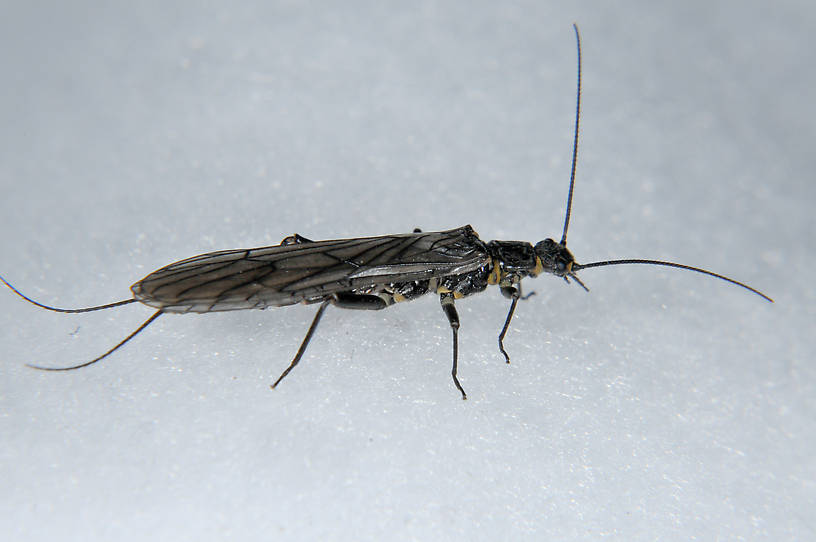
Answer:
(574, 139)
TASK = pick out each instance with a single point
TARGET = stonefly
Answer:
(367, 273)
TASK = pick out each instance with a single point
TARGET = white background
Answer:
(661, 405)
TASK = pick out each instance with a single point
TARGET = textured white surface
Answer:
(661, 405)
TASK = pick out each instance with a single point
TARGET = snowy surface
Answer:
(661, 405)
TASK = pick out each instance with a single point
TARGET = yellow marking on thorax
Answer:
(539, 268)
(496, 274)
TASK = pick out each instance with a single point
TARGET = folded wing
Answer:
(310, 271)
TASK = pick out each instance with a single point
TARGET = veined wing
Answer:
(287, 274)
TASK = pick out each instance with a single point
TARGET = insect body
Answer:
(369, 273)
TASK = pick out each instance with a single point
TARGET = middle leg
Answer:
(453, 318)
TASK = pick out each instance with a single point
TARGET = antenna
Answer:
(578, 266)
(574, 140)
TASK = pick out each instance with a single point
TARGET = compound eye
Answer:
(561, 265)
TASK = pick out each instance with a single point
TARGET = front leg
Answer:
(453, 318)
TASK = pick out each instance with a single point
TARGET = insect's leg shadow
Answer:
(342, 300)
(453, 318)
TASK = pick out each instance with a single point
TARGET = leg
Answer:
(514, 293)
(344, 301)
(453, 318)
(295, 239)
(305, 342)
(358, 301)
